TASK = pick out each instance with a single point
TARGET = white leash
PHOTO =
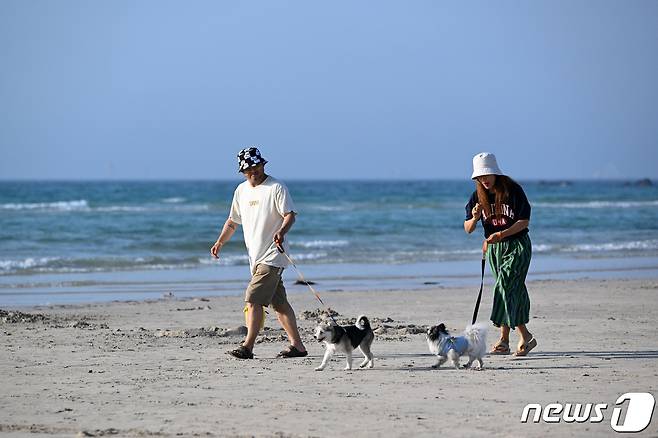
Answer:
(301, 277)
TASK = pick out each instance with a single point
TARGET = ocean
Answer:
(64, 242)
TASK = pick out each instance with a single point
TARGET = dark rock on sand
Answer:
(304, 282)
(13, 317)
(318, 314)
(202, 332)
(237, 331)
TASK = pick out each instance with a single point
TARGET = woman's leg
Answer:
(504, 334)
(510, 261)
(525, 335)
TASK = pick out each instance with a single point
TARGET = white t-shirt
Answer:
(260, 210)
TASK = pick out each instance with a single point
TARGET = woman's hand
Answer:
(477, 211)
(495, 237)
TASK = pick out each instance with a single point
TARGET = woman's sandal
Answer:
(291, 351)
(241, 352)
(501, 348)
(526, 348)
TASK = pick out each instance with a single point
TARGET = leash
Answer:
(301, 277)
(477, 303)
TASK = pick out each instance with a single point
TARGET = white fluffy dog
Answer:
(472, 343)
(345, 339)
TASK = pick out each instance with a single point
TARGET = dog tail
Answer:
(362, 322)
(477, 335)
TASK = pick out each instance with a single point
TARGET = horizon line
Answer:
(374, 179)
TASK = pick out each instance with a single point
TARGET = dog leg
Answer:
(441, 360)
(349, 360)
(368, 360)
(327, 355)
(480, 364)
(454, 358)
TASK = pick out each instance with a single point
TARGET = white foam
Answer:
(327, 208)
(598, 204)
(542, 248)
(228, 260)
(309, 256)
(79, 205)
(232, 260)
(28, 263)
(120, 208)
(320, 243)
(437, 252)
(613, 246)
(83, 205)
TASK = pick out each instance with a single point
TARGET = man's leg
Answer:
(254, 320)
(259, 293)
(286, 316)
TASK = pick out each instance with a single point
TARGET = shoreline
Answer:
(78, 288)
(160, 368)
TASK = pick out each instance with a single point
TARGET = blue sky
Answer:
(169, 90)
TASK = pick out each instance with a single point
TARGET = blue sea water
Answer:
(63, 237)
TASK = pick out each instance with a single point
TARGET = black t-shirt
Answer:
(516, 208)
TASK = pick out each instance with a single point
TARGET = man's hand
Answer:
(224, 236)
(288, 221)
(214, 251)
(279, 237)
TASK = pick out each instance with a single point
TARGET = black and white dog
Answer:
(346, 338)
(472, 343)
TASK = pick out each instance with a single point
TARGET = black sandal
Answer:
(241, 352)
(291, 351)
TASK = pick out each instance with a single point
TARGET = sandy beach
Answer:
(159, 368)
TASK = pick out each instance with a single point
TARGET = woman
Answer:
(500, 203)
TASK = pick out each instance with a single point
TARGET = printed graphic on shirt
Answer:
(499, 220)
(514, 209)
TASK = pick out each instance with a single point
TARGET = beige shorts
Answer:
(266, 287)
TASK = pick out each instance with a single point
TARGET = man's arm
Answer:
(288, 221)
(226, 234)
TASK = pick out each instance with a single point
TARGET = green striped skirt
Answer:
(509, 263)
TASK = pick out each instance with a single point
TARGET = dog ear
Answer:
(442, 327)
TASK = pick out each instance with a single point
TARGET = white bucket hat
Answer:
(485, 163)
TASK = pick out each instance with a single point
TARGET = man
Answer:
(265, 209)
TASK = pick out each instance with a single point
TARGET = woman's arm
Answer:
(470, 224)
(500, 235)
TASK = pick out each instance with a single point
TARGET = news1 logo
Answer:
(638, 412)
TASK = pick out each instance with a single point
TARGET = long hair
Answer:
(501, 190)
